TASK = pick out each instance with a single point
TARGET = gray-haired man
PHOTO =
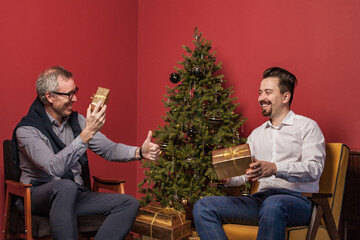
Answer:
(52, 140)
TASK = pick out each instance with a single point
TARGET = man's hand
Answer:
(95, 120)
(220, 182)
(259, 169)
(150, 150)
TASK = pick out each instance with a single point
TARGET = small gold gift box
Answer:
(102, 94)
(231, 162)
(162, 223)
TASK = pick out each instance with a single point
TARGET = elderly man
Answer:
(52, 140)
(289, 155)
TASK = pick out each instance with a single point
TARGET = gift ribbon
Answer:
(232, 153)
(171, 210)
(99, 96)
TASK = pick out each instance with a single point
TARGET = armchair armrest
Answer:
(321, 210)
(115, 185)
(316, 195)
(17, 188)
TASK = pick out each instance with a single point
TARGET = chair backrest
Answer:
(333, 177)
(8, 165)
(9, 173)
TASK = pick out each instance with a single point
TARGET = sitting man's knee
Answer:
(66, 186)
(273, 208)
(128, 201)
(134, 203)
(200, 206)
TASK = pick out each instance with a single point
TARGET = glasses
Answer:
(70, 95)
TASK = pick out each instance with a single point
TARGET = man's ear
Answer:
(49, 97)
(286, 97)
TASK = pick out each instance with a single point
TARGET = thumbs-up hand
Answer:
(149, 149)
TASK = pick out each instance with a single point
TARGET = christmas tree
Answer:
(201, 118)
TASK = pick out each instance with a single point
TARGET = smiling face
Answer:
(273, 103)
(60, 105)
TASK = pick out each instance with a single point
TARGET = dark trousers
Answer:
(272, 210)
(63, 200)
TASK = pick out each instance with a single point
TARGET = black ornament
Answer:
(164, 145)
(197, 71)
(207, 149)
(214, 120)
(174, 77)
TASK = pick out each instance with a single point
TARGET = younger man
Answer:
(289, 156)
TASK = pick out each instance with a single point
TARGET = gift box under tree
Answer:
(162, 223)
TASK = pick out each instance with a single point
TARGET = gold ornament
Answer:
(184, 201)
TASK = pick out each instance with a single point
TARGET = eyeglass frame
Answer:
(69, 94)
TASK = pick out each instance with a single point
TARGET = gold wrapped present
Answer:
(161, 215)
(162, 223)
(194, 236)
(102, 94)
(231, 162)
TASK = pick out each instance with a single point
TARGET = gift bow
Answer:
(98, 96)
(167, 209)
(232, 153)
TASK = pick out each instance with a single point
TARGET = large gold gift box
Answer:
(162, 223)
(231, 162)
(102, 94)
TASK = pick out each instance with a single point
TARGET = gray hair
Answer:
(48, 81)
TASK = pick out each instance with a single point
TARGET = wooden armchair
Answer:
(327, 203)
(20, 224)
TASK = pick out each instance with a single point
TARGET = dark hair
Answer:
(287, 80)
(48, 81)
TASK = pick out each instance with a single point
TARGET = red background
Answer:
(318, 41)
(131, 47)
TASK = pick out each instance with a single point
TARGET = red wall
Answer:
(316, 40)
(96, 40)
(131, 47)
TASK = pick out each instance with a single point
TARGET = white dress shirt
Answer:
(296, 146)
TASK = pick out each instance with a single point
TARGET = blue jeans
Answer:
(272, 210)
(63, 200)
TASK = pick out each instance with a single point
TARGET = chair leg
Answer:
(323, 204)
(345, 229)
(27, 209)
(7, 215)
(329, 221)
(314, 222)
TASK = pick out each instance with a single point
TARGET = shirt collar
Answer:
(54, 122)
(288, 120)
